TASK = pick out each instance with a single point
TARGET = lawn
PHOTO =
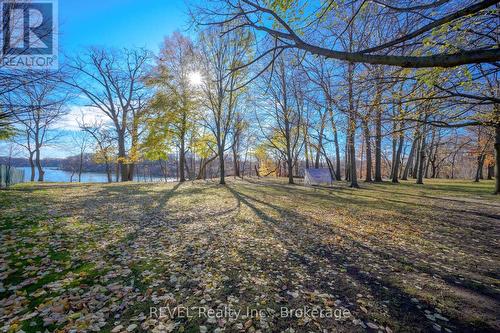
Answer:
(187, 257)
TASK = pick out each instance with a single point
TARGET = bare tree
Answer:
(81, 141)
(112, 82)
(323, 75)
(38, 106)
(104, 141)
(220, 57)
(281, 119)
(239, 127)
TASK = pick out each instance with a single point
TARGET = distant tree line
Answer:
(371, 90)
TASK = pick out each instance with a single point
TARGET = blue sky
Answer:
(118, 23)
(110, 23)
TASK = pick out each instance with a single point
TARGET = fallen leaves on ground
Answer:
(98, 257)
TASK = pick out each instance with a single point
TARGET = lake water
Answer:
(61, 176)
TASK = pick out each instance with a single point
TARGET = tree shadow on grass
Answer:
(401, 306)
(436, 220)
(455, 220)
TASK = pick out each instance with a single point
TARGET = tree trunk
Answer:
(289, 159)
(434, 168)
(491, 171)
(397, 158)
(163, 170)
(481, 173)
(80, 167)
(421, 161)
(316, 159)
(186, 166)
(497, 159)
(32, 166)
(202, 171)
(289, 163)
(409, 163)
(122, 156)
(479, 170)
(320, 141)
(453, 165)
(417, 157)
(432, 147)
(108, 172)
(329, 164)
(378, 144)
(347, 161)
(38, 162)
(117, 172)
(222, 171)
(336, 143)
(352, 160)
(368, 152)
(394, 147)
(193, 166)
(130, 171)
(362, 151)
(306, 150)
(236, 159)
(352, 129)
(182, 159)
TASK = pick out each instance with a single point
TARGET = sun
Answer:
(195, 78)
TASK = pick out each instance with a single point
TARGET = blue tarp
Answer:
(317, 176)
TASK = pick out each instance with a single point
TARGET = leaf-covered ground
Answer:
(399, 258)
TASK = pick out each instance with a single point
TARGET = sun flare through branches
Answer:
(195, 78)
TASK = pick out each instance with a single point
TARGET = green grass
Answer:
(95, 256)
